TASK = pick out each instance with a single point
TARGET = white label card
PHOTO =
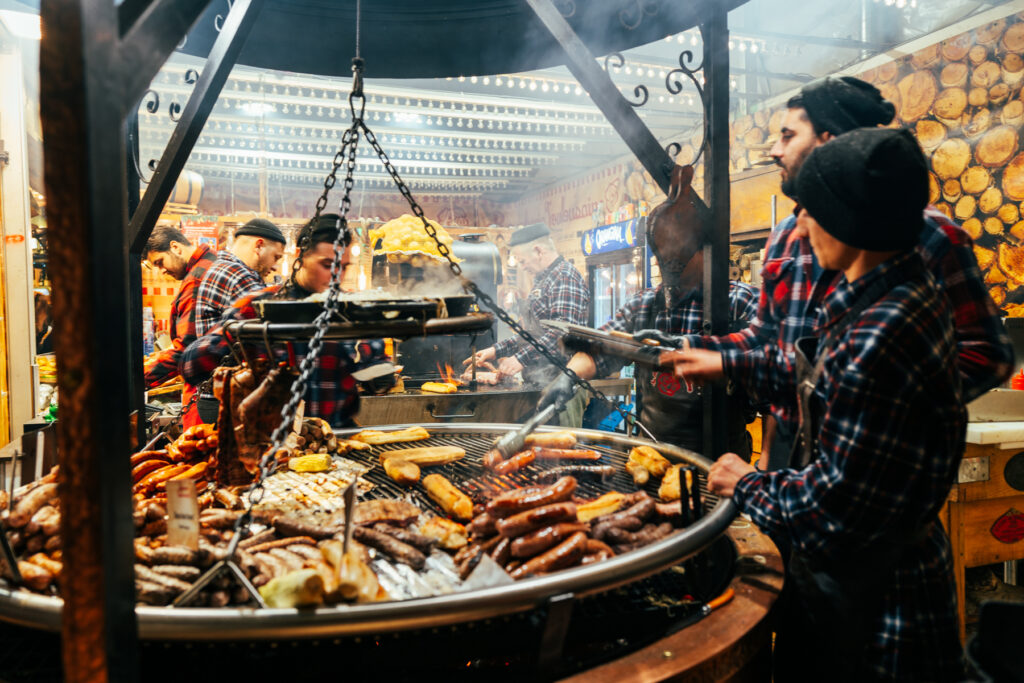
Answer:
(182, 514)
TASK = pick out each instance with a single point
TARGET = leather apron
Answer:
(827, 607)
(675, 415)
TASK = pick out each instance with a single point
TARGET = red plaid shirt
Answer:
(791, 296)
(227, 281)
(183, 319)
(331, 392)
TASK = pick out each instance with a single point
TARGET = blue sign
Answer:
(621, 235)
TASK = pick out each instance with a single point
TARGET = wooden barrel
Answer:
(188, 189)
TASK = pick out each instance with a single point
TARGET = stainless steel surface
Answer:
(997, 405)
(973, 469)
(252, 624)
(485, 405)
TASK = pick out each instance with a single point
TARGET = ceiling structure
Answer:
(501, 136)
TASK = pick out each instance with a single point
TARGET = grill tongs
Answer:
(612, 343)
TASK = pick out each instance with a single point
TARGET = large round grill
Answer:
(162, 623)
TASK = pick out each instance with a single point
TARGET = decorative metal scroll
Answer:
(631, 17)
(640, 90)
(151, 99)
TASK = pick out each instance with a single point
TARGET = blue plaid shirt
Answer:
(558, 293)
(685, 317)
(791, 295)
(888, 449)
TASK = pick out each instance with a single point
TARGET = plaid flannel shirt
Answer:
(183, 319)
(889, 444)
(559, 293)
(226, 282)
(684, 317)
(331, 393)
(790, 300)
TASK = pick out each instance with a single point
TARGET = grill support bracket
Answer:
(552, 643)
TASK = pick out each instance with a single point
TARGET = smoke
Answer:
(431, 280)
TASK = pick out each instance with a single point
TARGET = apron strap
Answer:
(808, 375)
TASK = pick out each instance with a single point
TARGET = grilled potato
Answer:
(430, 455)
(453, 501)
(606, 504)
(669, 489)
(402, 471)
(653, 461)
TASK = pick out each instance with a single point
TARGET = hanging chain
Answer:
(347, 155)
(503, 315)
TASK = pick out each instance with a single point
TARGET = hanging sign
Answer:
(621, 235)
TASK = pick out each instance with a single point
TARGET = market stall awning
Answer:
(416, 39)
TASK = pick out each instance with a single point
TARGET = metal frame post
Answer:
(715, 33)
(94, 67)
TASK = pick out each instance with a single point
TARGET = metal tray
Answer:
(380, 310)
(168, 623)
(262, 331)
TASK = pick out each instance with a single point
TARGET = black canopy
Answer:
(432, 38)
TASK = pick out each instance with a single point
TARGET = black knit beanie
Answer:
(837, 105)
(867, 188)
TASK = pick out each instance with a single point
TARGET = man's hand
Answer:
(560, 390)
(726, 473)
(698, 365)
(668, 340)
(507, 367)
(481, 357)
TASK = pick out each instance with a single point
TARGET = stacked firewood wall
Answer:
(963, 99)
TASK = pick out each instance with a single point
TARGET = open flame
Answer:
(447, 374)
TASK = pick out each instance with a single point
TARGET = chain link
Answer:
(502, 315)
(346, 155)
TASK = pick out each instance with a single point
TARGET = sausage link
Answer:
(518, 500)
(565, 554)
(540, 540)
(525, 522)
(516, 462)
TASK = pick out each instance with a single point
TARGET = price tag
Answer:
(182, 514)
(300, 412)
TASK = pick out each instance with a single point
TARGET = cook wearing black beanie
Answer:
(839, 104)
(867, 188)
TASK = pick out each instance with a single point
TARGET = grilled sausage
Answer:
(540, 540)
(565, 554)
(586, 472)
(228, 499)
(178, 571)
(672, 512)
(397, 550)
(418, 541)
(147, 574)
(482, 525)
(565, 454)
(525, 522)
(30, 504)
(149, 593)
(649, 534)
(144, 456)
(280, 543)
(173, 554)
(501, 552)
(147, 466)
(516, 462)
(256, 539)
(218, 518)
(289, 526)
(551, 440)
(470, 562)
(518, 500)
(492, 459)
(291, 560)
